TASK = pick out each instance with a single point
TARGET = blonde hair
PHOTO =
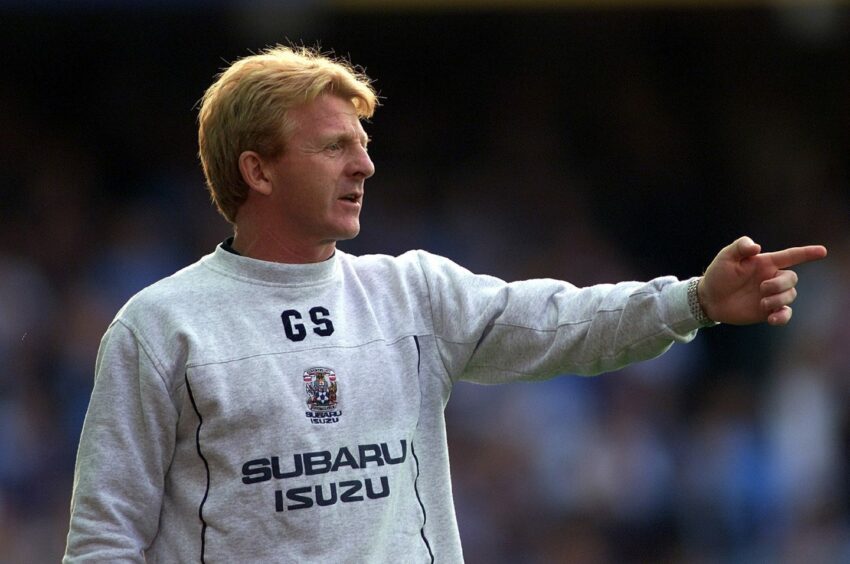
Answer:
(245, 109)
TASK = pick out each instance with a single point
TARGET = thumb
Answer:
(742, 248)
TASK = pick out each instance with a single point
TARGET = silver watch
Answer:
(694, 305)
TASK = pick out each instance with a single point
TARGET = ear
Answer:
(253, 172)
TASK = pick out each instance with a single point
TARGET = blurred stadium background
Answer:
(591, 141)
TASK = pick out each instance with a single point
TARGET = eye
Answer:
(335, 146)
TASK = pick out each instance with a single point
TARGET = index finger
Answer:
(796, 255)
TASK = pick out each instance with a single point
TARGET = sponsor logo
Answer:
(291, 496)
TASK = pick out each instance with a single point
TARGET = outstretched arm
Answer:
(742, 285)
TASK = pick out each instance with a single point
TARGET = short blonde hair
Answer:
(245, 109)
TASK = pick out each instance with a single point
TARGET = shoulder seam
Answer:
(148, 351)
(437, 337)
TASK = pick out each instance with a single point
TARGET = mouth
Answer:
(354, 198)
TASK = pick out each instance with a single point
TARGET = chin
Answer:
(350, 233)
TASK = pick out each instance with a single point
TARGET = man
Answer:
(203, 440)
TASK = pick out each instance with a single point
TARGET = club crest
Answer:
(322, 390)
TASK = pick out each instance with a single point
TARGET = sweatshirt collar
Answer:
(230, 263)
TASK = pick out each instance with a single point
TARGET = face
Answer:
(317, 183)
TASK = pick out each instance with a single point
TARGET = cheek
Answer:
(309, 188)
(300, 193)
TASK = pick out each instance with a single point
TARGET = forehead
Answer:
(327, 114)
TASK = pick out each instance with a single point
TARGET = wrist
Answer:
(696, 303)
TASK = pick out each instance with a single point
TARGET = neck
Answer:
(270, 246)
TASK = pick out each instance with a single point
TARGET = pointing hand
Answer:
(742, 285)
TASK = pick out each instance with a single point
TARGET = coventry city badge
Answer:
(322, 395)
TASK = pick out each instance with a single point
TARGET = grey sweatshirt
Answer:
(247, 411)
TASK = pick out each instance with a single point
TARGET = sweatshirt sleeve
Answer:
(125, 448)
(490, 331)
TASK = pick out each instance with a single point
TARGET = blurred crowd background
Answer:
(592, 143)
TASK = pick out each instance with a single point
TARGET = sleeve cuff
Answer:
(681, 317)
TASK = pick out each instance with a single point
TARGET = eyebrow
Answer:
(346, 136)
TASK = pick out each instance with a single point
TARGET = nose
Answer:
(361, 164)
